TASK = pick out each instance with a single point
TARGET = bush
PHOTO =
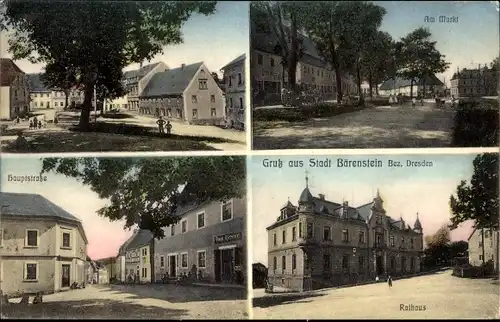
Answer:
(279, 114)
(476, 124)
(303, 113)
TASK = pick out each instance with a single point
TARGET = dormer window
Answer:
(283, 214)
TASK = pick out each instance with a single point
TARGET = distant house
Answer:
(110, 264)
(187, 93)
(14, 91)
(120, 258)
(234, 87)
(135, 82)
(96, 273)
(483, 247)
(403, 86)
(139, 258)
(42, 246)
(43, 97)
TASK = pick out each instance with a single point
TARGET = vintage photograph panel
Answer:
(123, 76)
(375, 236)
(124, 238)
(374, 74)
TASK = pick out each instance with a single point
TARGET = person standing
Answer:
(389, 281)
(169, 128)
(413, 102)
(161, 123)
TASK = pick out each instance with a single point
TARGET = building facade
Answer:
(208, 243)
(121, 272)
(429, 87)
(234, 86)
(14, 90)
(43, 247)
(139, 258)
(188, 93)
(136, 80)
(43, 97)
(483, 247)
(482, 81)
(321, 243)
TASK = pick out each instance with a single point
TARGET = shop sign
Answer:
(227, 238)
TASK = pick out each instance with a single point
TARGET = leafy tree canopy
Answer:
(440, 238)
(478, 199)
(148, 191)
(96, 37)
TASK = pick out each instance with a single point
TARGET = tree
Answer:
(60, 76)
(419, 57)
(378, 63)
(148, 191)
(96, 38)
(477, 200)
(437, 250)
(216, 77)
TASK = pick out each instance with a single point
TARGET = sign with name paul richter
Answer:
(227, 238)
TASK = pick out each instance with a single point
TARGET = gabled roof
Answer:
(240, 58)
(8, 71)
(172, 82)
(35, 83)
(123, 248)
(141, 72)
(141, 239)
(430, 80)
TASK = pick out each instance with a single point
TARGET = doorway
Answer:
(380, 265)
(65, 275)
(227, 265)
(172, 266)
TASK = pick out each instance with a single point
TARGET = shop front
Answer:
(229, 258)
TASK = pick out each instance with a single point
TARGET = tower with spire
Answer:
(417, 227)
(306, 200)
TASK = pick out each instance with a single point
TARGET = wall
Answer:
(235, 93)
(204, 106)
(5, 103)
(40, 100)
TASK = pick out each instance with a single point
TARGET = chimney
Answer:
(321, 196)
(183, 66)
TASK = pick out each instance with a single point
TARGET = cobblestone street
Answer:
(435, 296)
(380, 127)
(137, 302)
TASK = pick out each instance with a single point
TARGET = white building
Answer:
(234, 85)
(14, 93)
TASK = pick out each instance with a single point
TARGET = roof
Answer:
(430, 80)
(141, 72)
(240, 58)
(141, 239)
(171, 82)
(26, 204)
(306, 196)
(8, 71)
(36, 84)
(123, 248)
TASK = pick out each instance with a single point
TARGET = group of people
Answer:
(162, 124)
(389, 280)
(35, 123)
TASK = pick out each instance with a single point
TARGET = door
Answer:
(172, 272)
(217, 265)
(65, 275)
(380, 266)
(227, 265)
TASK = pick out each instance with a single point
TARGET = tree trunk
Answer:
(370, 83)
(358, 83)
(411, 89)
(292, 58)
(424, 91)
(282, 76)
(66, 94)
(338, 81)
(88, 93)
(482, 243)
(376, 86)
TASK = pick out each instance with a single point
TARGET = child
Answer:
(169, 127)
(31, 124)
(160, 123)
(389, 281)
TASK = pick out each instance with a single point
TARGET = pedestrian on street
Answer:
(413, 102)
(161, 123)
(376, 279)
(169, 128)
(31, 124)
(389, 281)
(40, 124)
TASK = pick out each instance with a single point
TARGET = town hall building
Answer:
(321, 243)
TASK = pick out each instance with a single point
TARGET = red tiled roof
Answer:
(8, 71)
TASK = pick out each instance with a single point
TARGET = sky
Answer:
(105, 237)
(473, 40)
(215, 40)
(405, 191)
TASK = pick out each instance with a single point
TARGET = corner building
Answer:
(321, 243)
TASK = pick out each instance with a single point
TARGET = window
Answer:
(212, 98)
(275, 240)
(310, 229)
(402, 241)
(480, 244)
(259, 59)
(202, 259)
(300, 230)
(241, 103)
(345, 235)
(283, 234)
(294, 233)
(379, 239)
(361, 260)
(391, 239)
(1, 237)
(230, 80)
(144, 252)
(195, 113)
(271, 62)
(240, 79)
(31, 271)
(275, 263)
(227, 211)
(326, 262)
(162, 261)
(213, 112)
(172, 230)
(326, 233)
(345, 261)
(31, 238)
(379, 220)
(486, 234)
(194, 99)
(480, 257)
(203, 84)
(184, 260)
(201, 220)
(411, 243)
(361, 237)
(294, 261)
(184, 224)
(283, 263)
(66, 240)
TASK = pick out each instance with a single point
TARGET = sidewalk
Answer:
(219, 285)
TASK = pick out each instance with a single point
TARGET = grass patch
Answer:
(115, 115)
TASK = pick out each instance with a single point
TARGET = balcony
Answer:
(306, 241)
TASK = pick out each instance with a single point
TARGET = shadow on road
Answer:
(90, 309)
(273, 300)
(180, 294)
